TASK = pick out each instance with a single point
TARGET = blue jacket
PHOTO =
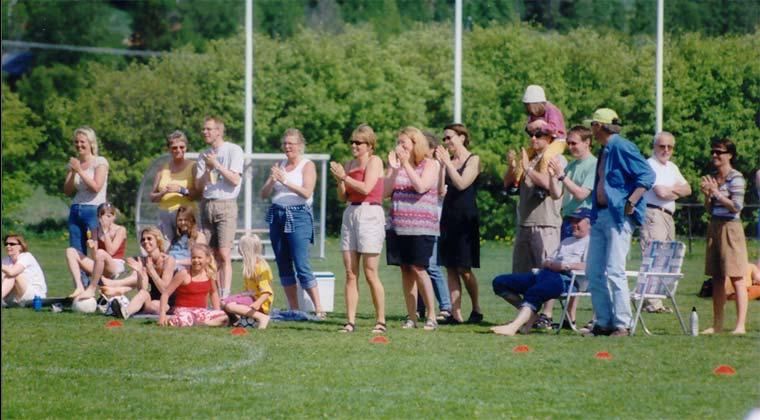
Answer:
(625, 170)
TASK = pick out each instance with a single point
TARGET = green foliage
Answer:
(21, 134)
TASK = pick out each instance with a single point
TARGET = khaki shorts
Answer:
(726, 254)
(219, 222)
(363, 229)
(658, 226)
(533, 245)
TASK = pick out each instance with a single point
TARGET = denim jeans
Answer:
(291, 250)
(535, 288)
(605, 269)
(82, 217)
(440, 284)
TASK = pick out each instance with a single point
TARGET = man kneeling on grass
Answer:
(547, 283)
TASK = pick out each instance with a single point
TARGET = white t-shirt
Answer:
(572, 250)
(230, 156)
(32, 273)
(667, 175)
(284, 196)
(84, 195)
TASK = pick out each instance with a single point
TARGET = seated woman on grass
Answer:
(22, 276)
(151, 275)
(186, 235)
(256, 301)
(193, 291)
(107, 245)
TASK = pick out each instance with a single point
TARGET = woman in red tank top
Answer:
(107, 245)
(360, 183)
(193, 292)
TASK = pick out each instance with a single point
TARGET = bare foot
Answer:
(709, 331)
(508, 329)
(89, 293)
(76, 293)
(739, 331)
(498, 326)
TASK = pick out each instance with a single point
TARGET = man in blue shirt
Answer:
(622, 178)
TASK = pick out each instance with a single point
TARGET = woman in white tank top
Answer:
(291, 225)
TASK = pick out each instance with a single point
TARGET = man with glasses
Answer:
(538, 211)
(622, 178)
(669, 186)
(218, 175)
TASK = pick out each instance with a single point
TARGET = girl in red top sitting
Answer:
(107, 245)
(192, 292)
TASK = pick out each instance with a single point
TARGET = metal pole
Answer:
(658, 71)
(458, 61)
(248, 184)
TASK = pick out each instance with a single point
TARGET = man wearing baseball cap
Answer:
(622, 178)
(528, 291)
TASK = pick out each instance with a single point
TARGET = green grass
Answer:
(70, 365)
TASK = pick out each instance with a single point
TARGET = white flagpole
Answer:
(658, 71)
(248, 191)
(458, 61)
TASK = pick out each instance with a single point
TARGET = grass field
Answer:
(70, 365)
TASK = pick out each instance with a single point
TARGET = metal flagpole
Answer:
(248, 188)
(458, 61)
(658, 65)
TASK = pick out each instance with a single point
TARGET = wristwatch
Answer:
(561, 178)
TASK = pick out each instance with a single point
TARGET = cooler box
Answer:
(326, 287)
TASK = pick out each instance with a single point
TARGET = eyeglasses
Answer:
(178, 148)
(665, 146)
(357, 143)
(719, 152)
(146, 239)
(537, 133)
(12, 243)
(572, 143)
(447, 138)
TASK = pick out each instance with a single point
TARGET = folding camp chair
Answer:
(658, 278)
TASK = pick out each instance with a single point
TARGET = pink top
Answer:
(553, 116)
(374, 196)
(413, 213)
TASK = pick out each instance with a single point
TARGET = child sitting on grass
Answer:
(256, 301)
(193, 291)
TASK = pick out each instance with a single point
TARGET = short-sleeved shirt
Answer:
(261, 283)
(582, 173)
(32, 272)
(84, 195)
(230, 156)
(572, 250)
(537, 211)
(667, 175)
(171, 200)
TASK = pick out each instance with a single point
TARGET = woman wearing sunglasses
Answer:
(173, 185)
(360, 184)
(22, 275)
(726, 256)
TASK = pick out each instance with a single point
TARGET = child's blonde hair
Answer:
(251, 249)
(211, 267)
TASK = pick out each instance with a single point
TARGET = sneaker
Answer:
(543, 323)
(119, 306)
(430, 325)
(620, 332)
(409, 324)
(103, 305)
(475, 318)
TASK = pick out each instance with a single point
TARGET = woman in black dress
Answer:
(459, 246)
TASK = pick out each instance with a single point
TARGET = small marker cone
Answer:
(603, 355)
(379, 339)
(724, 370)
(114, 324)
(522, 348)
(238, 331)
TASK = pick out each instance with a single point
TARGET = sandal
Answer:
(409, 324)
(348, 328)
(321, 315)
(380, 328)
(431, 325)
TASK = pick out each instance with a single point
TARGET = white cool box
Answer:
(326, 287)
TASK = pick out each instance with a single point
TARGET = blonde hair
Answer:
(421, 147)
(251, 249)
(218, 121)
(20, 239)
(176, 135)
(294, 132)
(211, 267)
(89, 134)
(156, 233)
(366, 134)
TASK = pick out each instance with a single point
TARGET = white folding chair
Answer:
(658, 278)
(578, 288)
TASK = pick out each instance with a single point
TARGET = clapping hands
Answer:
(337, 171)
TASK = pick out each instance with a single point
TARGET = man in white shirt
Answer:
(219, 175)
(669, 186)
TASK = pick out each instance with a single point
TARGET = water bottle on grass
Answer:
(37, 303)
(694, 319)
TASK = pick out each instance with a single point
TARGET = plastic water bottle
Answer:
(694, 319)
(37, 303)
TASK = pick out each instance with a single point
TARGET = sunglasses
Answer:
(12, 243)
(357, 143)
(719, 152)
(665, 146)
(537, 133)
